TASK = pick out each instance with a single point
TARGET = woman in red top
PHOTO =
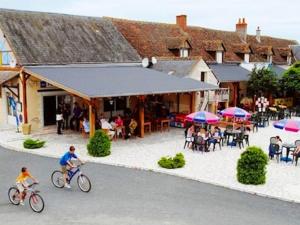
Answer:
(119, 125)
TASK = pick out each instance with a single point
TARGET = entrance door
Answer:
(49, 110)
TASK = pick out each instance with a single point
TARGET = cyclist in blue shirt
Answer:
(66, 163)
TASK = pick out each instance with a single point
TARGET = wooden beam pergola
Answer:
(92, 117)
(24, 77)
(142, 115)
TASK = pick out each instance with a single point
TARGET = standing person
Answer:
(59, 119)
(21, 182)
(66, 115)
(76, 117)
(66, 163)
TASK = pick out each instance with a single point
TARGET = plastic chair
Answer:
(199, 144)
(277, 151)
(239, 139)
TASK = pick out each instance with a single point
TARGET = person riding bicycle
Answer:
(21, 182)
(66, 164)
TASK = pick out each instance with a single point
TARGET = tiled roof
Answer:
(50, 38)
(150, 40)
(215, 45)
(177, 43)
(241, 48)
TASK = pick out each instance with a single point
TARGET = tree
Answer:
(262, 82)
(290, 81)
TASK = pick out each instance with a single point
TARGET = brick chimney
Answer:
(258, 33)
(181, 21)
(241, 29)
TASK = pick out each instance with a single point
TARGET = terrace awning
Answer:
(94, 81)
(7, 75)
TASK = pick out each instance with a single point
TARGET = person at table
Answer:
(272, 151)
(76, 117)
(190, 135)
(105, 125)
(119, 125)
(132, 126)
(296, 153)
(278, 141)
(215, 136)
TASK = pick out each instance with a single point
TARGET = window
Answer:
(184, 53)
(115, 104)
(202, 77)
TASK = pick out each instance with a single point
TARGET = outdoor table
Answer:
(163, 122)
(232, 133)
(290, 147)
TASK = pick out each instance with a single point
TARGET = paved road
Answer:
(131, 197)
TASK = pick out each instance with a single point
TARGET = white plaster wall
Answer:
(219, 57)
(6, 45)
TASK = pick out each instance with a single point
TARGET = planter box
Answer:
(26, 128)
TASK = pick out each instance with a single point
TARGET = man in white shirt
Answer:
(105, 125)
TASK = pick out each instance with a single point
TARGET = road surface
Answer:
(131, 197)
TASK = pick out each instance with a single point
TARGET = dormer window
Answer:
(215, 49)
(243, 51)
(184, 53)
(285, 54)
(179, 46)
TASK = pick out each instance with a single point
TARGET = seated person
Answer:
(189, 135)
(297, 151)
(132, 126)
(272, 152)
(105, 125)
(86, 125)
(119, 125)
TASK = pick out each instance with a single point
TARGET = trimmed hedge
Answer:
(99, 145)
(251, 167)
(33, 144)
(172, 163)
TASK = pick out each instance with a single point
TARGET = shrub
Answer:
(251, 168)
(172, 163)
(33, 144)
(99, 145)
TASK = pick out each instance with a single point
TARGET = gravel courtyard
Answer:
(218, 167)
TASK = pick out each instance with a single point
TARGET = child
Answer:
(21, 182)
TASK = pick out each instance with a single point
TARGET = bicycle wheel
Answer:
(13, 195)
(36, 203)
(57, 179)
(84, 183)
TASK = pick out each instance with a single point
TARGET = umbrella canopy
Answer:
(287, 124)
(202, 117)
(235, 112)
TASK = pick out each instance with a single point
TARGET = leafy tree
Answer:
(290, 81)
(262, 81)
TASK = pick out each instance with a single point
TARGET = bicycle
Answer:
(36, 201)
(83, 181)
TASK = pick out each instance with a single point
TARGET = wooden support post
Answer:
(178, 102)
(235, 93)
(24, 78)
(142, 115)
(92, 117)
(192, 104)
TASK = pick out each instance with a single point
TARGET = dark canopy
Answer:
(91, 81)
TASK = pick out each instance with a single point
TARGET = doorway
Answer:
(49, 110)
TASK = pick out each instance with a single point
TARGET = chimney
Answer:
(181, 21)
(258, 34)
(241, 29)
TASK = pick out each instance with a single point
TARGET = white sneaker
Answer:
(22, 202)
(67, 186)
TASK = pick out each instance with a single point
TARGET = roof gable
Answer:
(48, 38)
